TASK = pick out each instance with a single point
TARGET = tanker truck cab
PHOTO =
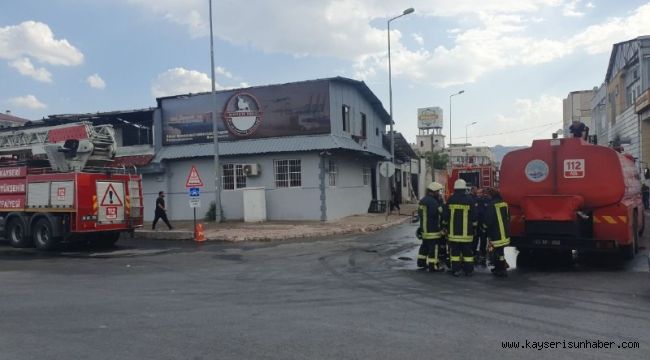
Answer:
(568, 194)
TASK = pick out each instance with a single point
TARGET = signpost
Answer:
(194, 185)
(387, 169)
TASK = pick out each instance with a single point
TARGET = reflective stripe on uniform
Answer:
(465, 214)
(425, 226)
(502, 227)
(421, 257)
(431, 236)
(468, 259)
(461, 239)
(455, 258)
(501, 243)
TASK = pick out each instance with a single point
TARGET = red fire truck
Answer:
(567, 194)
(57, 185)
(477, 175)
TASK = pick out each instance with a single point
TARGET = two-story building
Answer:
(312, 146)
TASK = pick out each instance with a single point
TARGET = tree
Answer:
(437, 160)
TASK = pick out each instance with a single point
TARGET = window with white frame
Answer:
(332, 172)
(233, 176)
(288, 173)
(366, 176)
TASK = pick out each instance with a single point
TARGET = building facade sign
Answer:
(642, 102)
(262, 112)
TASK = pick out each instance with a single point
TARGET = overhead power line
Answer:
(512, 131)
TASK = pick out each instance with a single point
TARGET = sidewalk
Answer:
(277, 230)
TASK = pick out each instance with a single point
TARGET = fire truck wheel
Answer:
(17, 233)
(43, 237)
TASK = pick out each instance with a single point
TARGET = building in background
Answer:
(464, 154)
(7, 120)
(577, 106)
(618, 119)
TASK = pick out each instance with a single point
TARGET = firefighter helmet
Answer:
(460, 184)
(435, 186)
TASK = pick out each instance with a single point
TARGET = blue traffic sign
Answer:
(194, 192)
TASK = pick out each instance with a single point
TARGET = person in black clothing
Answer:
(497, 227)
(430, 212)
(161, 211)
(461, 219)
(578, 129)
(480, 237)
(394, 202)
(645, 192)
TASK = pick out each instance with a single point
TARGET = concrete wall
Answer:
(349, 197)
(281, 203)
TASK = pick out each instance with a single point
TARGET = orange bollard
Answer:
(199, 236)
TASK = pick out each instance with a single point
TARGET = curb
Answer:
(189, 235)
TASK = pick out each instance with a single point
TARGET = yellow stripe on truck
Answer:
(609, 219)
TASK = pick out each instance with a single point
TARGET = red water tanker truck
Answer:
(567, 194)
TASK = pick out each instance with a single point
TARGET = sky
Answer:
(515, 59)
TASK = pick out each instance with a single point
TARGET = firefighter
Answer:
(461, 220)
(430, 212)
(480, 237)
(497, 219)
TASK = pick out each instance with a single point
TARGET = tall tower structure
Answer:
(430, 137)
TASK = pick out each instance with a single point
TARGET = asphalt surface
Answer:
(345, 298)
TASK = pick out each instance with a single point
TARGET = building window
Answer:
(287, 173)
(377, 131)
(404, 179)
(366, 176)
(421, 143)
(332, 172)
(364, 126)
(233, 177)
(345, 110)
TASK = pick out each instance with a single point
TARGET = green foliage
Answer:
(437, 160)
(211, 215)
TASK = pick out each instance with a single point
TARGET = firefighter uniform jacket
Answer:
(461, 217)
(430, 212)
(497, 221)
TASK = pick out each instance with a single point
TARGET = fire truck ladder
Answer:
(74, 147)
(486, 177)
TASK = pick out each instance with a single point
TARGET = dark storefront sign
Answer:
(271, 111)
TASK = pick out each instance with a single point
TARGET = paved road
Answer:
(348, 298)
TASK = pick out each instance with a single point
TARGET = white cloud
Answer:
(571, 9)
(418, 39)
(531, 119)
(590, 5)
(36, 40)
(27, 101)
(25, 67)
(599, 38)
(179, 81)
(222, 71)
(96, 82)
(494, 34)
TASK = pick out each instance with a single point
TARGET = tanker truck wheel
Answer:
(630, 251)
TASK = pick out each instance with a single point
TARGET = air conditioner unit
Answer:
(251, 169)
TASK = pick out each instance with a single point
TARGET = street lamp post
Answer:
(390, 101)
(466, 127)
(450, 96)
(215, 133)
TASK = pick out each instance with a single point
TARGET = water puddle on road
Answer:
(407, 260)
